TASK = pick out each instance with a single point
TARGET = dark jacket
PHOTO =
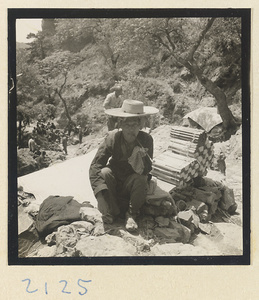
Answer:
(113, 148)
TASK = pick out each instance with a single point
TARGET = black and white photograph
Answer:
(129, 136)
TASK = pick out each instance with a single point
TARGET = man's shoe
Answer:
(131, 224)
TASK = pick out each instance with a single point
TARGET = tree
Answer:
(43, 41)
(54, 71)
(73, 34)
(27, 90)
(182, 38)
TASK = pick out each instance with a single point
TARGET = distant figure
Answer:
(64, 143)
(80, 133)
(113, 100)
(87, 130)
(41, 160)
(221, 163)
(32, 145)
(34, 131)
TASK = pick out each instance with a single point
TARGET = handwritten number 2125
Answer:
(79, 282)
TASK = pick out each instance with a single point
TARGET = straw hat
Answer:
(132, 108)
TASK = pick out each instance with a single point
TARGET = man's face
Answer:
(130, 129)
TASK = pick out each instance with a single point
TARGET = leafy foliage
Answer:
(72, 63)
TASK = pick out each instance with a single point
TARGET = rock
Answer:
(162, 222)
(197, 206)
(33, 208)
(91, 215)
(213, 208)
(158, 196)
(177, 249)
(201, 182)
(207, 197)
(147, 222)
(189, 219)
(232, 209)
(205, 228)
(99, 229)
(181, 205)
(51, 239)
(185, 217)
(167, 233)
(46, 252)
(136, 240)
(155, 202)
(83, 227)
(184, 231)
(204, 216)
(170, 205)
(228, 200)
(156, 211)
(215, 190)
(195, 220)
(186, 234)
(171, 249)
(66, 240)
(25, 162)
(105, 245)
(185, 194)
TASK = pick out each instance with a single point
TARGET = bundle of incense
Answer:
(196, 136)
(174, 168)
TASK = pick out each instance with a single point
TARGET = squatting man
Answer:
(119, 172)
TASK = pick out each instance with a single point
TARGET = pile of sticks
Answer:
(186, 140)
(189, 155)
(174, 168)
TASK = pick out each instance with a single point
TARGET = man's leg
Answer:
(136, 187)
(111, 194)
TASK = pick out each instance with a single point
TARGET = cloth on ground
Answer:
(67, 236)
(56, 211)
(27, 241)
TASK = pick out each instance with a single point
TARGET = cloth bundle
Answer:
(56, 211)
(136, 161)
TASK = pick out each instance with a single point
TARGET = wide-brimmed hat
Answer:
(132, 108)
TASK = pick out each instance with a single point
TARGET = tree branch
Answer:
(167, 32)
(162, 42)
(62, 86)
(198, 42)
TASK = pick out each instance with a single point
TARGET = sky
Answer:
(26, 26)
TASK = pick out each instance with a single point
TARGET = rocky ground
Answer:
(222, 235)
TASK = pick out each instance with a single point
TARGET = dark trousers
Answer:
(127, 196)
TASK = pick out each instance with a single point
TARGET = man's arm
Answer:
(100, 160)
(106, 103)
(149, 144)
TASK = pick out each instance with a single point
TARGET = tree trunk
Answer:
(66, 108)
(228, 119)
(189, 62)
(70, 121)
